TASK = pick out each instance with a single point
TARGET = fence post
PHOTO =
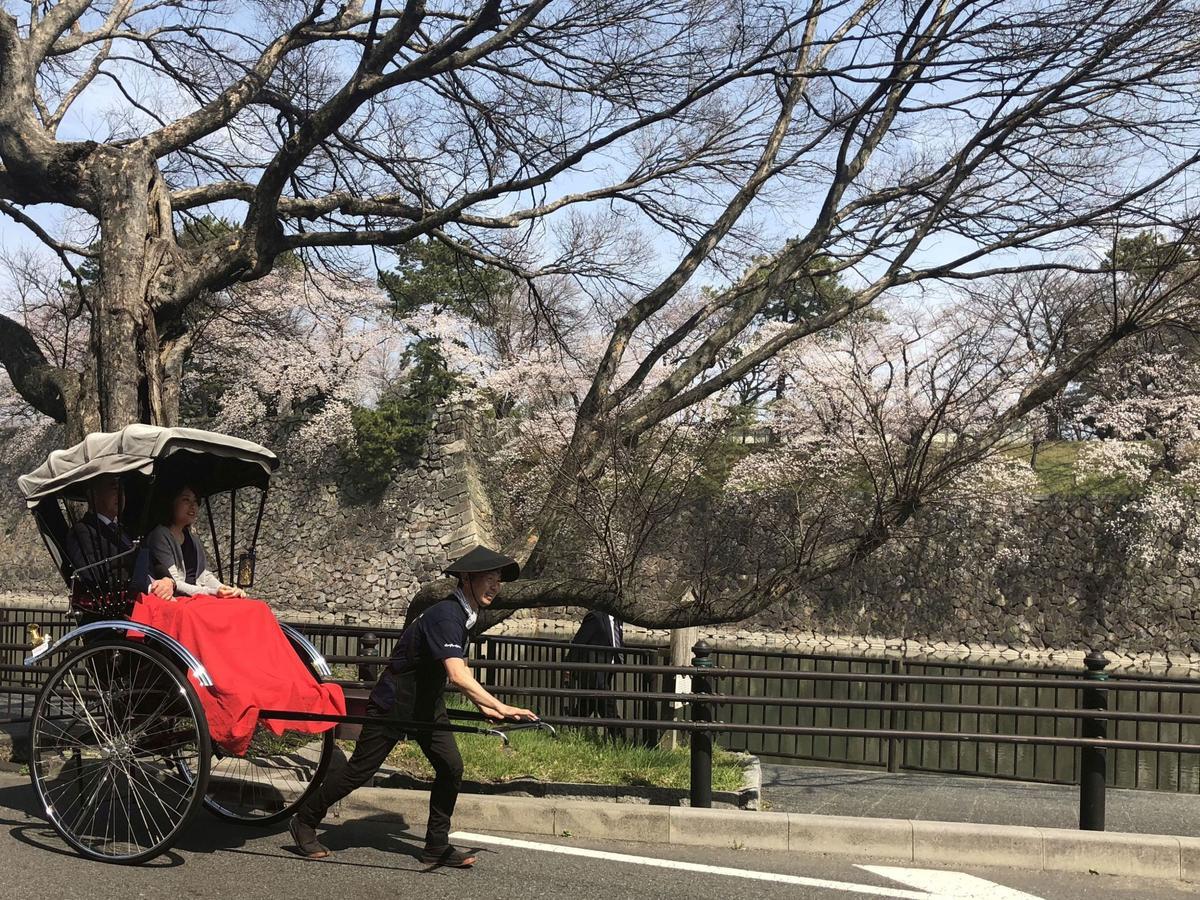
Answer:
(646, 708)
(1092, 763)
(701, 787)
(895, 748)
(678, 654)
(488, 652)
(368, 645)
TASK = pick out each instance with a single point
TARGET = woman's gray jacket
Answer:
(166, 552)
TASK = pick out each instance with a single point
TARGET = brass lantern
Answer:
(245, 569)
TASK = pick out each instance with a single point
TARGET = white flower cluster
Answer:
(1147, 406)
(1161, 527)
(291, 345)
(1131, 461)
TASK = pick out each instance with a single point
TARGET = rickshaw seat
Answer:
(356, 705)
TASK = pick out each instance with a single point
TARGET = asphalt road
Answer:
(378, 860)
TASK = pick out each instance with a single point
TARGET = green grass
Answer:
(1057, 469)
(574, 756)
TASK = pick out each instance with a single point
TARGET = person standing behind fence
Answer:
(599, 639)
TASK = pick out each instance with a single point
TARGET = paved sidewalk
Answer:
(945, 798)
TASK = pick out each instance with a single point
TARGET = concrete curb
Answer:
(14, 747)
(932, 843)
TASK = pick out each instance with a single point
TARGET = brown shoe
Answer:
(305, 837)
(448, 856)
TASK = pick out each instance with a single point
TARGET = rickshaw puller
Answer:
(430, 652)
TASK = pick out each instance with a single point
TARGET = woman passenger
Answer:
(176, 552)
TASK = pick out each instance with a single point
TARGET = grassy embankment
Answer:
(575, 756)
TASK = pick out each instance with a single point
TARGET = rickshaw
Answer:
(120, 753)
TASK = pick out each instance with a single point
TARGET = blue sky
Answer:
(774, 223)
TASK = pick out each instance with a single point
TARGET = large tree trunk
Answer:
(82, 398)
(137, 249)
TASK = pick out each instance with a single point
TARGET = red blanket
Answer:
(252, 664)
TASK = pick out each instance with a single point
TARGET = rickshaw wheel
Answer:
(272, 779)
(112, 728)
(274, 776)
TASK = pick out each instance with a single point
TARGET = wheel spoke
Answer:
(274, 775)
(151, 793)
(77, 695)
(94, 798)
(119, 753)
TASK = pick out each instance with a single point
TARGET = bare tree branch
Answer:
(35, 379)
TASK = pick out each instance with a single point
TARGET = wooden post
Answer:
(682, 640)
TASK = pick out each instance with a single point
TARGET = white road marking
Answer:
(940, 883)
(925, 893)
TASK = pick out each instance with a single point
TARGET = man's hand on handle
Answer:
(460, 676)
(502, 712)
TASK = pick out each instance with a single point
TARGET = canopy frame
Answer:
(144, 458)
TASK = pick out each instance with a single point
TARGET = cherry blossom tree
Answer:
(642, 151)
(292, 349)
(890, 414)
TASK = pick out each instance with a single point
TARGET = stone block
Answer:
(1189, 858)
(386, 804)
(1105, 853)
(850, 836)
(483, 813)
(985, 845)
(729, 828)
(628, 823)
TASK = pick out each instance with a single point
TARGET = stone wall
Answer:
(321, 551)
(361, 559)
(951, 583)
(24, 562)
(954, 581)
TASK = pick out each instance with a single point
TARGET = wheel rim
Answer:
(112, 728)
(274, 775)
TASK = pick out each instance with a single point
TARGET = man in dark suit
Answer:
(599, 640)
(431, 650)
(98, 537)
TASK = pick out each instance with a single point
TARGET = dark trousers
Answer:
(373, 747)
(601, 705)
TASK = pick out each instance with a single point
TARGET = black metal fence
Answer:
(961, 717)
(853, 703)
(864, 711)
(18, 684)
(1089, 718)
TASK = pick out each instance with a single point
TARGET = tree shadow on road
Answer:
(817, 777)
(207, 834)
(42, 836)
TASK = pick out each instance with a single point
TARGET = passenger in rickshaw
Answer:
(100, 536)
(238, 638)
(176, 553)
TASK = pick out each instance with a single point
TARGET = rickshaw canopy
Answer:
(211, 461)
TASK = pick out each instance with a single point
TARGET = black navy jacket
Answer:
(596, 629)
(92, 540)
(411, 687)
